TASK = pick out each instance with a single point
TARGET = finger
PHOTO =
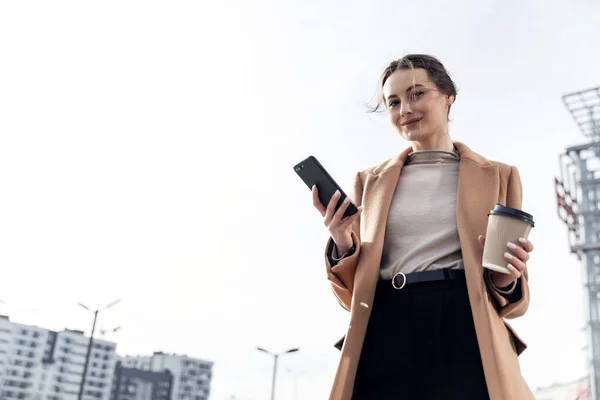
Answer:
(317, 202)
(331, 207)
(514, 272)
(351, 219)
(517, 251)
(339, 214)
(515, 262)
(527, 245)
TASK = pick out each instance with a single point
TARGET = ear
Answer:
(450, 99)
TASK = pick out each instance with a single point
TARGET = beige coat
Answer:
(481, 184)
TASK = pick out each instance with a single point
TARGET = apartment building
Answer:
(191, 377)
(137, 384)
(40, 364)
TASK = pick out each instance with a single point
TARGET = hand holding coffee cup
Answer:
(506, 246)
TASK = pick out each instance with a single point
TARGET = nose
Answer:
(405, 109)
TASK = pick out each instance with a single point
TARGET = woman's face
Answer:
(416, 107)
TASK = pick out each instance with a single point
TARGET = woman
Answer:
(426, 319)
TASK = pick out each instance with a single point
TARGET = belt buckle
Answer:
(403, 282)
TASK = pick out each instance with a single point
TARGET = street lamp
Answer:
(89, 349)
(103, 332)
(275, 358)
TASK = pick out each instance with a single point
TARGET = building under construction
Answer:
(578, 199)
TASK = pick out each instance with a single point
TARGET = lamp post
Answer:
(89, 349)
(275, 358)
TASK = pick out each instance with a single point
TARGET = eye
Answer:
(393, 103)
(416, 95)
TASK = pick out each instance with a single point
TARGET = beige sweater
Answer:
(421, 232)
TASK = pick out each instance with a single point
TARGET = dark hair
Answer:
(435, 72)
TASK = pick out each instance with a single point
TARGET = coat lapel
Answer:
(478, 188)
(378, 192)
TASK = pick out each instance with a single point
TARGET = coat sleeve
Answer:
(517, 303)
(341, 275)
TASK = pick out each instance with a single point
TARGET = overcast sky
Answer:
(146, 153)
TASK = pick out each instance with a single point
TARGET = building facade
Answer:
(137, 384)
(39, 364)
(191, 377)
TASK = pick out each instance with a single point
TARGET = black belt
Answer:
(400, 280)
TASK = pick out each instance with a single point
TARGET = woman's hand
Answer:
(516, 258)
(339, 228)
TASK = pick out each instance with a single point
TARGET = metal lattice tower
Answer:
(578, 200)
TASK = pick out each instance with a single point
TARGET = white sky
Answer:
(146, 153)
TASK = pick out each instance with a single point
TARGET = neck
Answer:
(435, 143)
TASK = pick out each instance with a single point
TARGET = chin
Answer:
(415, 135)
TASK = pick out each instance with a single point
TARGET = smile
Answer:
(411, 122)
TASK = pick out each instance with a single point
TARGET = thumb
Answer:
(481, 239)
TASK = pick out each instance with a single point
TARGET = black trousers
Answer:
(421, 344)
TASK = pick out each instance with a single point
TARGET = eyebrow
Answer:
(393, 96)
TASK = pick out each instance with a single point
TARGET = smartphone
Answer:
(313, 173)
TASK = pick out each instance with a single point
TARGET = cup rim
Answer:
(499, 209)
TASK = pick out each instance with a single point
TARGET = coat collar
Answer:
(399, 160)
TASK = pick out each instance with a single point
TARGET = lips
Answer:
(411, 121)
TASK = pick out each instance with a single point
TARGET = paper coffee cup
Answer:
(505, 225)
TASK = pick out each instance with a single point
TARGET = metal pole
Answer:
(87, 357)
(275, 356)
